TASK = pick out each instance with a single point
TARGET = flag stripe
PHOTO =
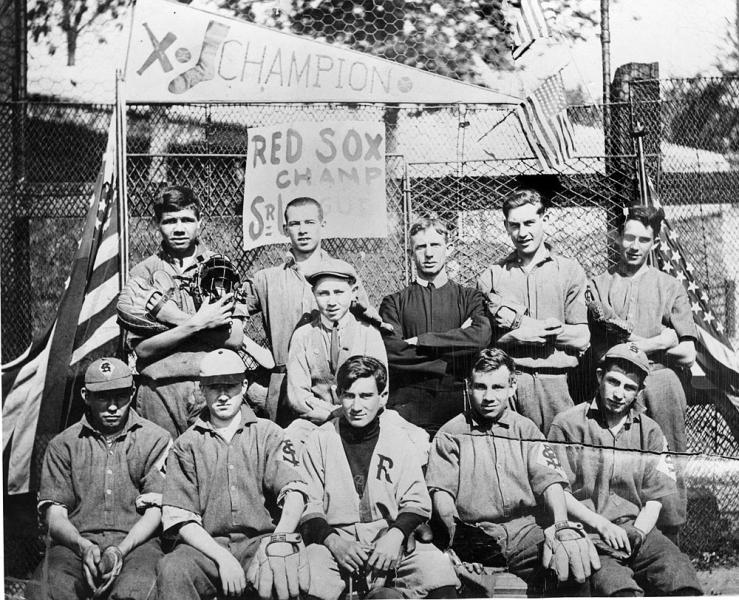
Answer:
(546, 125)
(106, 332)
(527, 23)
(98, 298)
(37, 387)
(20, 417)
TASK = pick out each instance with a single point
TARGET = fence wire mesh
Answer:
(454, 161)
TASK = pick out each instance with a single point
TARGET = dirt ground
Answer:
(720, 581)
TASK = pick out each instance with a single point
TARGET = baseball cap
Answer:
(629, 352)
(331, 267)
(222, 366)
(108, 374)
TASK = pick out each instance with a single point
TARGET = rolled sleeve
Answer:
(659, 475)
(56, 477)
(282, 462)
(576, 312)
(543, 464)
(443, 468)
(681, 316)
(172, 516)
(181, 485)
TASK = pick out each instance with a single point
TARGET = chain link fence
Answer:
(454, 161)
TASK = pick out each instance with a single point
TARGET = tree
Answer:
(72, 16)
(441, 36)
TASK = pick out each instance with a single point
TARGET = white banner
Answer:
(182, 54)
(339, 163)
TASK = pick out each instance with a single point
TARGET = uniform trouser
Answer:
(429, 403)
(418, 572)
(657, 569)
(520, 554)
(188, 574)
(60, 575)
(173, 404)
(542, 396)
(664, 398)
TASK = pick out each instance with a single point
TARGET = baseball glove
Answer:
(141, 301)
(506, 313)
(109, 567)
(568, 551)
(280, 564)
(604, 320)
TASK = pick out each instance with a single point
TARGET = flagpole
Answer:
(605, 47)
(121, 184)
(641, 169)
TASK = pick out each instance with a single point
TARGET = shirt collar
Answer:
(247, 416)
(478, 424)
(291, 263)
(201, 253)
(634, 414)
(441, 280)
(329, 324)
(643, 269)
(548, 252)
(133, 421)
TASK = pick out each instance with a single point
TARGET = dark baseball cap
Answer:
(108, 374)
(331, 267)
(628, 352)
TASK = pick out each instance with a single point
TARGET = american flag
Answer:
(545, 124)
(527, 22)
(715, 354)
(40, 385)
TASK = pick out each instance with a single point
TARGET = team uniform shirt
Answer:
(233, 489)
(613, 475)
(495, 472)
(309, 371)
(553, 288)
(435, 316)
(101, 483)
(184, 362)
(649, 300)
(394, 482)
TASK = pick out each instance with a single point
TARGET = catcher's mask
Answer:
(216, 277)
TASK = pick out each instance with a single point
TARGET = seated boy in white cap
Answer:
(614, 456)
(234, 495)
(100, 494)
(366, 495)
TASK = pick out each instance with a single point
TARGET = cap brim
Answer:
(316, 276)
(226, 378)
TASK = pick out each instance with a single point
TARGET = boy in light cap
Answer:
(319, 347)
(234, 495)
(614, 456)
(100, 495)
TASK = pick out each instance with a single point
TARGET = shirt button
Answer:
(109, 492)
(230, 466)
(110, 452)
(233, 488)
(109, 471)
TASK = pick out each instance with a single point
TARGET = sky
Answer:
(686, 37)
